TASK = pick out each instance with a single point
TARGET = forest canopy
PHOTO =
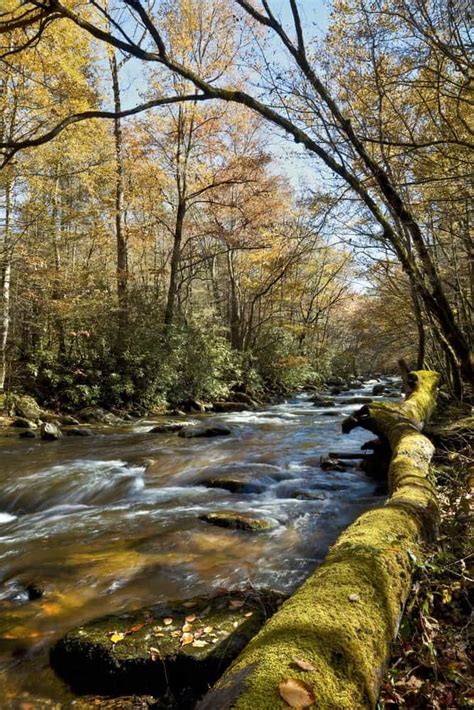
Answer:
(156, 247)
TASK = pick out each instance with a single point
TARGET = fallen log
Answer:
(333, 635)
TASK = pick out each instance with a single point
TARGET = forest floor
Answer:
(430, 661)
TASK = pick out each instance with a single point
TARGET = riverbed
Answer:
(112, 522)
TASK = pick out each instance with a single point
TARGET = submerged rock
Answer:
(50, 432)
(328, 464)
(181, 646)
(79, 432)
(332, 413)
(193, 432)
(28, 434)
(238, 521)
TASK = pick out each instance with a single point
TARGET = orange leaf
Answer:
(296, 693)
(304, 665)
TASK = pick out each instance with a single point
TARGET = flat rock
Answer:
(238, 521)
(179, 646)
(28, 434)
(79, 432)
(332, 413)
(194, 432)
(320, 401)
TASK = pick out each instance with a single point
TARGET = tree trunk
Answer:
(5, 283)
(121, 242)
(343, 619)
(175, 263)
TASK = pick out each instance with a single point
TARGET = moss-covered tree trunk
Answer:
(344, 617)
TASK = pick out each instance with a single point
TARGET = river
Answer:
(111, 522)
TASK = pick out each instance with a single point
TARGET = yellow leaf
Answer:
(199, 644)
(186, 639)
(168, 621)
(116, 637)
(296, 693)
(304, 665)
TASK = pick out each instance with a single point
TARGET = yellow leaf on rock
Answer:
(116, 637)
(186, 627)
(199, 644)
(168, 621)
(191, 618)
(296, 693)
(186, 638)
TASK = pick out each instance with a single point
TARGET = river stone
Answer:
(67, 420)
(148, 655)
(79, 432)
(332, 413)
(321, 401)
(168, 427)
(238, 521)
(230, 407)
(357, 400)
(245, 398)
(378, 389)
(28, 434)
(50, 432)
(235, 483)
(22, 423)
(193, 432)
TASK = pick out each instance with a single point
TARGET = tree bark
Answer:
(344, 617)
(175, 263)
(6, 267)
(121, 242)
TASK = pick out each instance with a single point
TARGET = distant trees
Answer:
(392, 129)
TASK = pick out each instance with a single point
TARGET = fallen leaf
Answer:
(235, 624)
(236, 603)
(296, 693)
(116, 637)
(190, 618)
(189, 605)
(354, 598)
(186, 627)
(186, 639)
(249, 613)
(133, 629)
(176, 633)
(168, 621)
(199, 644)
(208, 629)
(304, 665)
(154, 653)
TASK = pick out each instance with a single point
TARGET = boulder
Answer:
(238, 521)
(328, 464)
(79, 432)
(378, 389)
(168, 427)
(332, 413)
(193, 432)
(335, 381)
(97, 415)
(21, 423)
(180, 646)
(235, 483)
(50, 431)
(336, 390)
(192, 405)
(26, 407)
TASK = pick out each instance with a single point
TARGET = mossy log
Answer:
(343, 619)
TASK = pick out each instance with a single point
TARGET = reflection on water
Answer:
(112, 522)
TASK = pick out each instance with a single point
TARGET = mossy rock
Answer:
(143, 652)
(23, 406)
(238, 521)
(357, 400)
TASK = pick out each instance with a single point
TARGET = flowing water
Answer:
(101, 530)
